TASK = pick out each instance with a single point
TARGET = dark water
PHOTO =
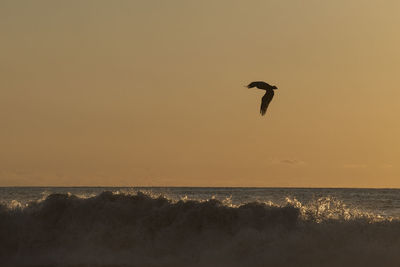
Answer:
(199, 227)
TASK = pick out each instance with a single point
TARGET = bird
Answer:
(269, 94)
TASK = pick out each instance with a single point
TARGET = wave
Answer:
(142, 230)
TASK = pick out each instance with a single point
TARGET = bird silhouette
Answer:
(269, 94)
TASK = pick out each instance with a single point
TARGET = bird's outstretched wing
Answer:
(266, 99)
(259, 84)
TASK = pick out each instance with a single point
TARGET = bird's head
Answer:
(274, 87)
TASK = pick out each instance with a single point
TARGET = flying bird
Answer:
(269, 94)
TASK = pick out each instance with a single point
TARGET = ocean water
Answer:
(173, 226)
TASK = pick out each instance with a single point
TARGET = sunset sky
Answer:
(151, 93)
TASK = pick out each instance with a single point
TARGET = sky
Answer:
(151, 93)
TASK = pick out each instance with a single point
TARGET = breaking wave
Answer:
(142, 230)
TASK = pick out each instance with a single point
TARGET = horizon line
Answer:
(185, 186)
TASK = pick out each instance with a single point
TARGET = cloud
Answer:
(292, 162)
(386, 166)
(355, 166)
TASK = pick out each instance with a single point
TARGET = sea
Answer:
(199, 226)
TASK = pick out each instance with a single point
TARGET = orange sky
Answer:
(138, 93)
